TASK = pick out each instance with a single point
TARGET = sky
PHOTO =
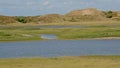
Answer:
(41, 7)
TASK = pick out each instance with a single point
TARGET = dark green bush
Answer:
(109, 14)
(4, 34)
(21, 19)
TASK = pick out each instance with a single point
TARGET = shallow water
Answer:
(56, 48)
(48, 36)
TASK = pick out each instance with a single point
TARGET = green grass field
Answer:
(63, 62)
(19, 34)
(96, 29)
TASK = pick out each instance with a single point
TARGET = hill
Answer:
(7, 19)
(89, 14)
(85, 15)
(88, 11)
(51, 18)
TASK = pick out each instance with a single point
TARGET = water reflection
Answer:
(48, 36)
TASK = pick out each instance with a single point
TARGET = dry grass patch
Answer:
(65, 62)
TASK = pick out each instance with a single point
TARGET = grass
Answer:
(82, 23)
(96, 29)
(90, 33)
(9, 35)
(63, 62)
(61, 33)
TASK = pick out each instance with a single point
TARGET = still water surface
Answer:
(48, 36)
(55, 48)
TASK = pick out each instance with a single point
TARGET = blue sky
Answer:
(40, 7)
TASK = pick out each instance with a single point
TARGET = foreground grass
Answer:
(61, 33)
(64, 62)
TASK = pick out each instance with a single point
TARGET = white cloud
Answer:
(68, 3)
(47, 6)
(71, 2)
(65, 3)
(50, 7)
(86, 3)
(29, 3)
(46, 3)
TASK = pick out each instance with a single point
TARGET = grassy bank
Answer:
(96, 29)
(64, 62)
(82, 23)
(61, 33)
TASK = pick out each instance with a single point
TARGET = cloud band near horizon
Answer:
(39, 7)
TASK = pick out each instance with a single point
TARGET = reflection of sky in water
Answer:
(48, 36)
(38, 27)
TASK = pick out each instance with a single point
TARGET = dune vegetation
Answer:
(83, 15)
